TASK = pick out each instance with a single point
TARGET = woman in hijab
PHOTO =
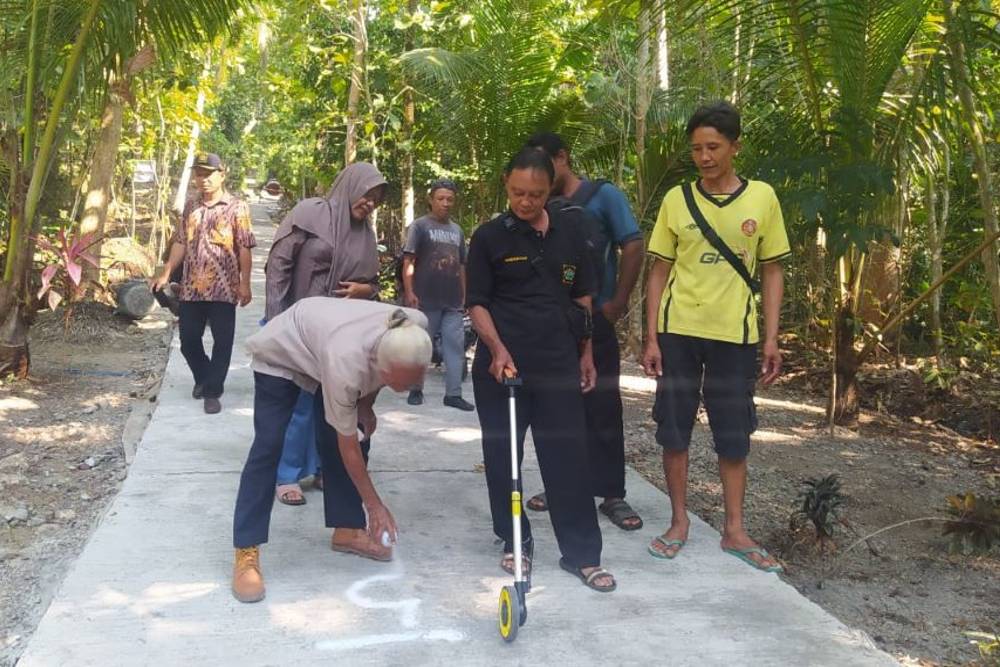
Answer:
(323, 247)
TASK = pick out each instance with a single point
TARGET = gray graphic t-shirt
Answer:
(439, 252)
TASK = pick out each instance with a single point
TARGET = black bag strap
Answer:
(587, 190)
(712, 237)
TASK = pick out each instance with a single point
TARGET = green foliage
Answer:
(976, 528)
(988, 644)
(820, 500)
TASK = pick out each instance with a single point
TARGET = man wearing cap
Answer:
(434, 282)
(212, 243)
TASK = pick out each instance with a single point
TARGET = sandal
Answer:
(527, 553)
(590, 579)
(744, 555)
(676, 545)
(538, 503)
(290, 494)
(620, 512)
(507, 564)
(318, 481)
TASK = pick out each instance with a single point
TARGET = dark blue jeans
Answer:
(273, 402)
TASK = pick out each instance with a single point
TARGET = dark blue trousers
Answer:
(209, 372)
(273, 402)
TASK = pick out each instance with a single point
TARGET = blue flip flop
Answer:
(667, 544)
(744, 555)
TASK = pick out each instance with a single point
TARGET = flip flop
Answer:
(667, 544)
(538, 503)
(619, 512)
(285, 496)
(507, 564)
(588, 579)
(744, 555)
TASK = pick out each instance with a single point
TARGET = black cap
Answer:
(208, 161)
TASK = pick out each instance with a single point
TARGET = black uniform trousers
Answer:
(273, 402)
(603, 405)
(221, 318)
(552, 405)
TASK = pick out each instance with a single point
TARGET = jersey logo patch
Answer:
(749, 227)
(568, 273)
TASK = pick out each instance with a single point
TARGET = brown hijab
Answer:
(355, 247)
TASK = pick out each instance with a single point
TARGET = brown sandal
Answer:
(538, 503)
(287, 496)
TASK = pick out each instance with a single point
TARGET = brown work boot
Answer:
(248, 583)
(356, 541)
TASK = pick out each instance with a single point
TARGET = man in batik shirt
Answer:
(212, 243)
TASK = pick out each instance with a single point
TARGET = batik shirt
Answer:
(213, 237)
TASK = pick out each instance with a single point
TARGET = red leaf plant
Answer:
(62, 277)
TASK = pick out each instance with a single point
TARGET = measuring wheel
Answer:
(511, 613)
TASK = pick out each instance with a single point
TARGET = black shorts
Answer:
(724, 374)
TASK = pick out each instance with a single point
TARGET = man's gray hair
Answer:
(404, 344)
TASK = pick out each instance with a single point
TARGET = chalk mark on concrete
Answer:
(408, 611)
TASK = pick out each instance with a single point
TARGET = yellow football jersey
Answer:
(704, 296)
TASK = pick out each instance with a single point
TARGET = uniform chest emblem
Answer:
(749, 227)
(568, 274)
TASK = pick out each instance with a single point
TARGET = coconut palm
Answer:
(58, 53)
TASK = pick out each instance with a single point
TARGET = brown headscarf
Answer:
(330, 219)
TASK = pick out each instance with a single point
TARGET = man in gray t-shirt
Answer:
(434, 282)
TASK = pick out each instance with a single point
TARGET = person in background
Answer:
(325, 246)
(343, 352)
(701, 322)
(213, 244)
(434, 282)
(617, 232)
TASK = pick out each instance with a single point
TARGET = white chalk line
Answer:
(408, 610)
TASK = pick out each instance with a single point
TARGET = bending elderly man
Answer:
(343, 351)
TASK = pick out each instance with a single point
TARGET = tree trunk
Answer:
(642, 102)
(409, 120)
(974, 133)
(662, 50)
(102, 172)
(357, 78)
(95, 210)
(847, 271)
(180, 197)
(846, 404)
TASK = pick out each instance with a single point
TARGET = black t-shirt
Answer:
(529, 316)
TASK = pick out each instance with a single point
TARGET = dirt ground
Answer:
(62, 458)
(906, 591)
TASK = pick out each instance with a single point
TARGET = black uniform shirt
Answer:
(528, 313)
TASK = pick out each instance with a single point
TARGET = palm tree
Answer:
(495, 87)
(824, 83)
(105, 37)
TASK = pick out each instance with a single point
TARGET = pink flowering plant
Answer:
(64, 256)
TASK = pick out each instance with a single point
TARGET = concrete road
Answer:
(152, 585)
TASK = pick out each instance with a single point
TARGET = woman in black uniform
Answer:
(529, 285)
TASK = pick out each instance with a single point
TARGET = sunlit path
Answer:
(152, 585)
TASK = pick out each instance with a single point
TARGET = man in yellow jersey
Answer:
(709, 239)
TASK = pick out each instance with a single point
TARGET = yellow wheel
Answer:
(510, 613)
